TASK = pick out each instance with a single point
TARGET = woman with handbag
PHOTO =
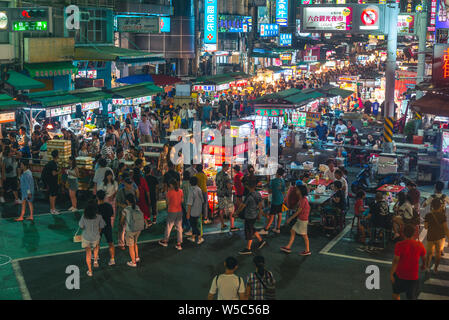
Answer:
(260, 285)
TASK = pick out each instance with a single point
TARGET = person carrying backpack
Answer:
(260, 285)
(135, 223)
(228, 286)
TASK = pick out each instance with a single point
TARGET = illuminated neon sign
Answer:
(282, 12)
(210, 25)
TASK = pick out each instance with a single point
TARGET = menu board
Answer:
(312, 118)
(299, 118)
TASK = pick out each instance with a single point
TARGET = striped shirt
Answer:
(257, 291)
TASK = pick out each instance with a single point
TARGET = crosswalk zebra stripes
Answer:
(437, 286)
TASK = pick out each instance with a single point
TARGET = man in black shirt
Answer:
(106, 211)
(338, 199)
(153, 183)
(51, 180)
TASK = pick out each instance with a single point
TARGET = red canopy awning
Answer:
(164, 80)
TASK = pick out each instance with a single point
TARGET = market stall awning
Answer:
(53, 98)
(22, 82)
(304, 97)
(157, 79)
(8, 103)
(91, 94)
(111, 53)
(222, 78)
(263, 55)
(281, 95)
(331, 91)
(136, 91)
(50, 69)
(437, 104)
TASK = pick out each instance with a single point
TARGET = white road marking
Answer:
(331, 244)
(437, 282)
(443, 267)
(430, 296)
(21, 280)
(356, 258)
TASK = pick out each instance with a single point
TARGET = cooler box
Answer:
(418, 139)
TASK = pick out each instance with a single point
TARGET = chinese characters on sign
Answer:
(230, 23)
(203, 88)
(433, 14)
(285, 39)
(269, 30)
(312, 118)
(210, 25)
(440, 66)
(327, 19)
(269, 112)
(138, 24)
(406, 23)
(299, 118)
(282, 12)
(446, 64)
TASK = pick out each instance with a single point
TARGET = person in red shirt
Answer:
(300, 226)
(404, 272)
(238, 185)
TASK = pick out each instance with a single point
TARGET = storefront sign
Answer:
(60, 111)
(138, 24)
(203, 88)
(348, 79)
(3, 20)
(440, 66)
(285, 56)
(90, 106)
(269, 112)
(310, 58)
(269, 30)
(130, 102)
(241, 148)
(312, 118)
(210, 24)
(224, 86)
(7, 117)
(231, 23)
(282, 12)
(240, 83)
(285, 39)
(164, 24)
(406, 24)
(30, 26)
(327, 19)
(433, 15)
(299, 118)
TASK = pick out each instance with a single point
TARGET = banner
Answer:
(282, 12)
(210, 25)
(327, 19)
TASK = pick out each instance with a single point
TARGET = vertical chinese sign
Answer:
(210, 25)
(282, 12)
(440, 66)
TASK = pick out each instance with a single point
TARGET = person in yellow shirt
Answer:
(202, 183)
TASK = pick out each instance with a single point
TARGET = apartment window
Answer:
(95, 27)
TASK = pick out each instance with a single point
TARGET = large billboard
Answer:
(232, 23)
(353, 18)
(210, 25)
(138, 24)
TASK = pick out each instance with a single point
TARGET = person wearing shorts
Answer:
(91, 223)
(52, 181)
(277, 189)
(404, 272)
(224, 194)
(10, 177)
(253, 212)
(302, 221)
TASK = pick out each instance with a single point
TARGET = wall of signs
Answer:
(269, 30)
(202, 87)
(299, 118)
(282, 12)
(210, 25)
(312, 118)
(90, 106)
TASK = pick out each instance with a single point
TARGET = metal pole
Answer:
(392, 44)
(392, 16)
(421, 33)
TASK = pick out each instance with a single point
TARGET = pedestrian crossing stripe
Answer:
(437, 282)
(430, 296)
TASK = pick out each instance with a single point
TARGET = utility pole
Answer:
(392, 17)
(196, 63)
(251, 36)
(421, 33)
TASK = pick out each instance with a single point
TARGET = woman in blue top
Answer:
(27, 189)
